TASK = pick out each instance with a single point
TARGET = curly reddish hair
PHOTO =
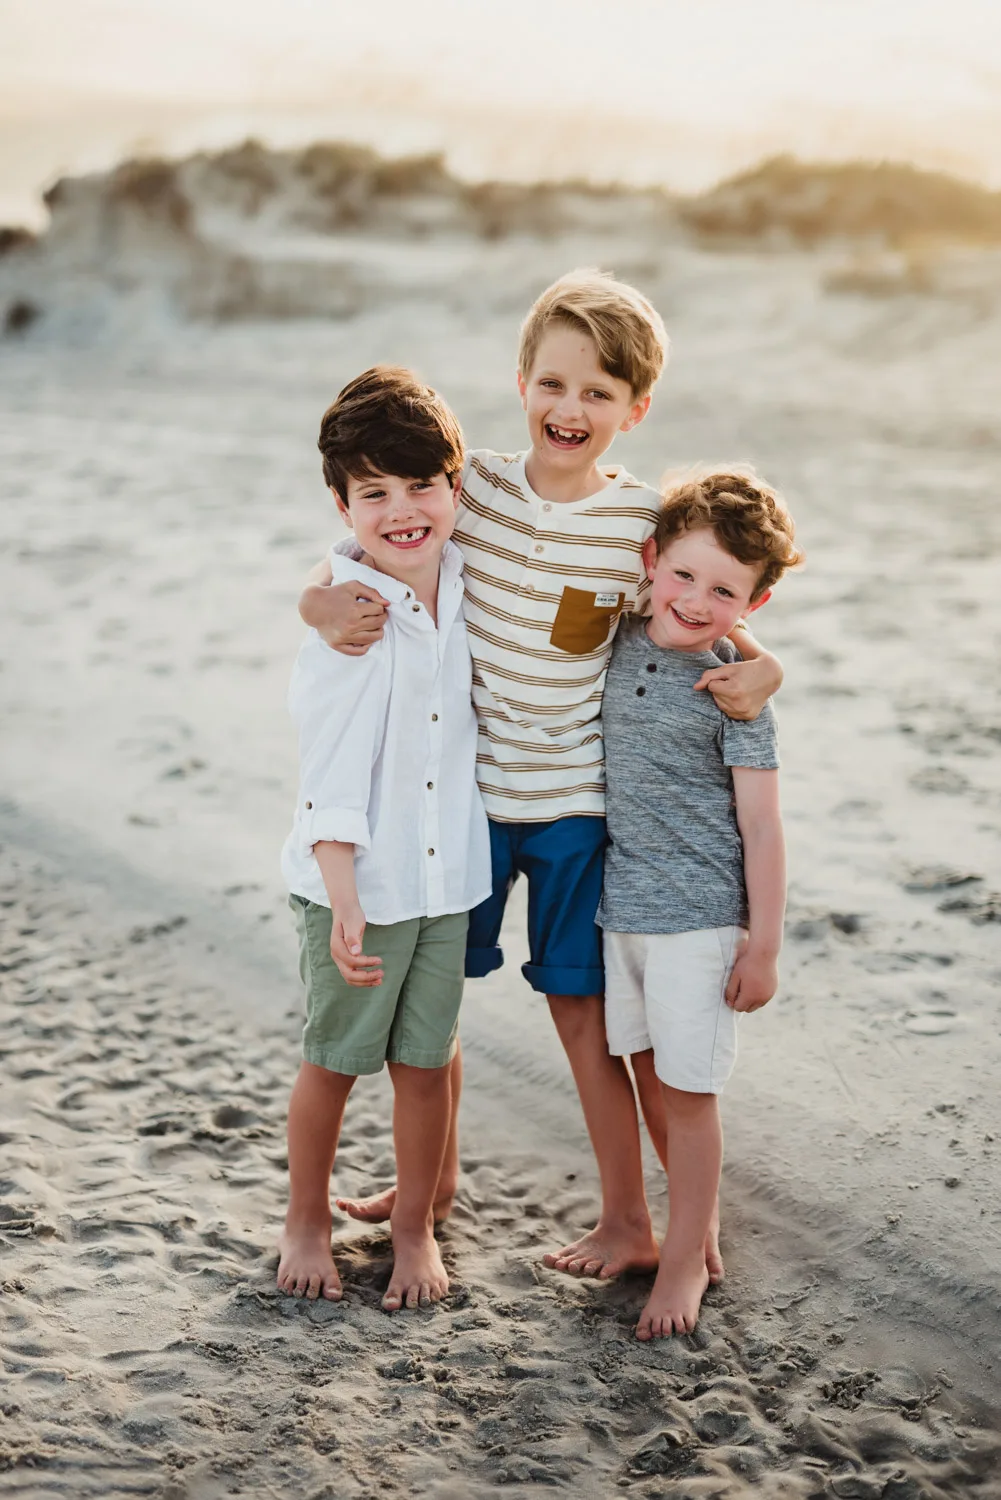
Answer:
(747, 517)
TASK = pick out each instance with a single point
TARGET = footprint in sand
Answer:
(931, 1022)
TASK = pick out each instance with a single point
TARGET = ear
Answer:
(650, 556)
(523, 389)
(637, 412)
(759, 602)
(457, 489)
(342, 507)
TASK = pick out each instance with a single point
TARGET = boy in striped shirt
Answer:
(552, 541)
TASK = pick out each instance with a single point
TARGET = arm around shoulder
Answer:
(350, 617)
(742, 688)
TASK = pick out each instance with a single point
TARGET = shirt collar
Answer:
(346, 567)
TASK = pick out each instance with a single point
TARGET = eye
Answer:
(725, 593)
(550, 384)
(600, 395)
(374, 495)
(680, 573)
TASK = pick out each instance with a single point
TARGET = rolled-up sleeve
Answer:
(339, 706)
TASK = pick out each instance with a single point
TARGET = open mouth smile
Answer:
(686, 621)
(565, 437)
(412, 538)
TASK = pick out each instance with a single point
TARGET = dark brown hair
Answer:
(386, 421)
(747, 517)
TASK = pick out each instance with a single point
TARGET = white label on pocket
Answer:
(605, 601)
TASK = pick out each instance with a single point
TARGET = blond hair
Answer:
(747, 517)
(627, 330)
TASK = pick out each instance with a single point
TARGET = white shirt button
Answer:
(529, 588)
(430, 851)
(540, 548)
(416, 608)
(547, 506)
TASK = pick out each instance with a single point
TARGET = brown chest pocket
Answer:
(584, 620)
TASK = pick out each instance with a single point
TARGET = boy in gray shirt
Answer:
(694, 889)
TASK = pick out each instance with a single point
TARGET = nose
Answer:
(696, 602)
(402, 506)
(569, 410)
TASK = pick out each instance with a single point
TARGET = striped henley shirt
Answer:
(546, 585)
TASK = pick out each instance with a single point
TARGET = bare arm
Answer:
(743, 688)
(337, 866)
(349, 616)
(755, 975)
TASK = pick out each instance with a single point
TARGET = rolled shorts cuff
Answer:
(339, 1062)
(557, 981)
(411, 1057)
(483, 961)
(687, 1082)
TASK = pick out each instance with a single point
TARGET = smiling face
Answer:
(574, 407)
(699, 591)
(402, 524)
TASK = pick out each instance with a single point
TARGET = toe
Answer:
(413, 1296)
(332, 1291)
(392, 1301)
(592, 1268)
(313, 1287)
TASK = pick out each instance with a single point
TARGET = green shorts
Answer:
(411, 1017)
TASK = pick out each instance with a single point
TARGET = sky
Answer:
(675, 91)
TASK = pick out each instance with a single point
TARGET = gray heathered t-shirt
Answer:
(674, 862)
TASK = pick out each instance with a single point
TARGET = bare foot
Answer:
(419, 1279)
(377, 1209)
(714, 1261)
(608, 1250)
(306, 1267)
(673, 1305)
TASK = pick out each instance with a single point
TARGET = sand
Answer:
(162, 500)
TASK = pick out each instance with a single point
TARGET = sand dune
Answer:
(333, 230)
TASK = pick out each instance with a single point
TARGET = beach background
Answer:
(241, 211)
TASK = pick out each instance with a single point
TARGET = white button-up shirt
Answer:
(387, 757)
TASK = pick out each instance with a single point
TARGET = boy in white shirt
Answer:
(390, 848)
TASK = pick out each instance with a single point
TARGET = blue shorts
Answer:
(563, 862)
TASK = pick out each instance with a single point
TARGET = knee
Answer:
(682, 1105)
(426, 1082)
(580, 1019)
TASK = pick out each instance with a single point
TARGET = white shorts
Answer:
(666, 991)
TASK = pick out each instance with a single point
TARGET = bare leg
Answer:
(421, 1116)
(378, 1208)
(315, 1111)
(623, 1238)
(694, 1162)
(651, 1093)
